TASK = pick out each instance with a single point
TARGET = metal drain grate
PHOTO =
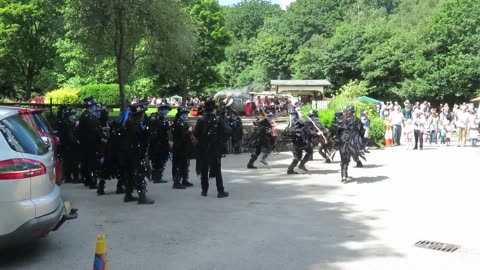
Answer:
(437, 246)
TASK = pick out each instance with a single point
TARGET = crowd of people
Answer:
(421, 123)
(135, 148)
(305, 133)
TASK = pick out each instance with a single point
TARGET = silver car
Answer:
(31, 204)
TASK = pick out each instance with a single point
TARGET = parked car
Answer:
(31, 204)
(37, 120)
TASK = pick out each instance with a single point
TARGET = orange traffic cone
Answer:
(388, 136)
(100, 262)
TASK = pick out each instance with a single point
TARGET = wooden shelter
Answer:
(313, 88)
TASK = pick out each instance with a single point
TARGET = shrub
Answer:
(305, 109)
(326, 117)
(65, 95)
(377, 130)
(108, 94)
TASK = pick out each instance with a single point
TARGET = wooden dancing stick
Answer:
(316, 127)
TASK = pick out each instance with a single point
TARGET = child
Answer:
(408, 131)
(473, 131)
(443, 134)
(449, 128)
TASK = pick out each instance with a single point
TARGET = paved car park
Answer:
(275, 221)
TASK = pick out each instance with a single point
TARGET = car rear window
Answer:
(21, 136)
(40, 122)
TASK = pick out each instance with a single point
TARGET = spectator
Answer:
(365, 119)
(433, 126)
(462, 125)
(408, 131)
(408, 109)
(396, 120)
(419, 122)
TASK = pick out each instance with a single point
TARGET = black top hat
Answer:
(164, 105)
(139, 107)
(89, 101)
(68, 112)
(182, 110)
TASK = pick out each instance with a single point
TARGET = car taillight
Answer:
(21, 168)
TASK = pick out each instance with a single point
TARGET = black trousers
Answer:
(418, 137)
(134, 178)
(212, 168)
(180, 168)
(308, 156)
(70, 167)
(88, 163)
(297, 156)
(344, 161)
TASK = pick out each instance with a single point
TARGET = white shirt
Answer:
(396, 118)
(228, 102)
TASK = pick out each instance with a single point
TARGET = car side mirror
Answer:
(47, 141)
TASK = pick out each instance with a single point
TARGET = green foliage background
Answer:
(104, 93)
(396, 49)
(64, 95)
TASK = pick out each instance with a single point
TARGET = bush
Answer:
(326, 117)
(305, 109)
(65, 95)
(108, 94)
(377, 130)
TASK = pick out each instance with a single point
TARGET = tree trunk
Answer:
(29, 81)
(119, 53)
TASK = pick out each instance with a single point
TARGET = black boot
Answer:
(359, 164)
(302, 166)
(186, 183)
(129, 198)
(222, 194)
(101, 188)
(344, 173)
(143, 199)
(291, 171)
(252, 160)
(120, 190)
(157, 177)
(176, 183)
(128, 194)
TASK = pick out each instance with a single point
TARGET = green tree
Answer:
(446, 63)
(78, 68)
(306, 18)
(212, 38)
(129, 31)
(246, 18)
(28, 31)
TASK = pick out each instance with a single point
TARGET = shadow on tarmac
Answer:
(270, 221)
(368, 180)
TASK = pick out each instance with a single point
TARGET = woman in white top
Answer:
(462, 125)
(419, 122)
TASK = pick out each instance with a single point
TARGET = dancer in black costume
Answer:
(349, 138)
(261, 139)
